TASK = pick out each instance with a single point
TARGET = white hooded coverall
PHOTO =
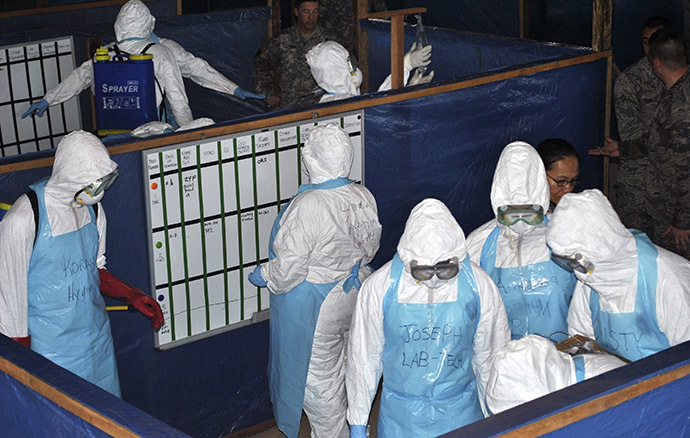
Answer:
(80, 159)
(535, 290)
(323, 233)
(587, 224)
(134, 31)
(431, 235)
(531, 367)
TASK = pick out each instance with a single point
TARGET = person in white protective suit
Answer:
(512, 247)
(336, 71)
(134, 32)
(320, 243)
(633, 297)
(52, 264)
(429, 321)
(531, 367)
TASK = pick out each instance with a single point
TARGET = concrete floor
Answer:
(305, 430)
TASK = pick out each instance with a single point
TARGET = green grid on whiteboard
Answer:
(225, 163)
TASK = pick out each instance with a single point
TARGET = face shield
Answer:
(94, 192)
(510, 215)
(576, 262)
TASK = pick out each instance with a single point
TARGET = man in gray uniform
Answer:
(668, 189)
(284, 55)
(637, 93)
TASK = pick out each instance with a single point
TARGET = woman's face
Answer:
(565, 171)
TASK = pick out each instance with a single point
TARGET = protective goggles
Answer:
(576, 262)
(100, 185)
(352, 64)
(444, 270)
(512, 214)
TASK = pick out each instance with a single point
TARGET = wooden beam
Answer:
(361, 40)
(274, 22)
(65, 401)
(326, 110)
(524, 19)
(601, 24)
(599, 404)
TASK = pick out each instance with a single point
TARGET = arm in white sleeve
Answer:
(365, 349)
(476, 240)
(673, 299)
(101, 225)
(198, 70)
(17, 232)
(580, 314)
(492, 333)
(79, 80)
(293, 245)
(170, 79)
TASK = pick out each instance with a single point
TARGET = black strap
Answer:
(33, 199)
(148, 46)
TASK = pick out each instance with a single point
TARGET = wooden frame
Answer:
(201, 134)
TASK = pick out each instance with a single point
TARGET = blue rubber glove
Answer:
(37, 108)
(358, 431)
(256, 278)
(243, 94)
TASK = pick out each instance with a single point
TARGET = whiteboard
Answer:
(27, 71)
(210, 209)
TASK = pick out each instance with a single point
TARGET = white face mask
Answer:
(434, 282)
(520, 227)
(83, 198)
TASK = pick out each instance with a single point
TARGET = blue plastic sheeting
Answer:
(446, 146)
(500, 17)
(570, 22)
(660, 412)
(69, 19)
(458, 54)
(227, 40)
(26, 413)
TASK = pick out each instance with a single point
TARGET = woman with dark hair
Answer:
(562, 164)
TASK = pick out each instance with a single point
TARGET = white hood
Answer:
(134, 20)
(327, 153)
(80, 159)
(520, 178)
(328, 63)
(431, 235)
(586, 223)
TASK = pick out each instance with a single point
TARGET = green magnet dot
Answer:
(158, 244)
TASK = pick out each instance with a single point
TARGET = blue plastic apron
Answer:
(429, 387)
(292, 324)
(635, 334)
(536, 296)
(68, 322)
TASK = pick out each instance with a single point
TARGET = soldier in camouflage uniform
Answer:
(637, 93)
(338, 17)
(668, 189)
(284, 54)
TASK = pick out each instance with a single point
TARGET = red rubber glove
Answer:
(25, 341)
(115, 288)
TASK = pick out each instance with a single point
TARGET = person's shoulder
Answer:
(480, 234)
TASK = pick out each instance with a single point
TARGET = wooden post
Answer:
(601, 40)
(524, 19)
(397, 41)
(361, 40)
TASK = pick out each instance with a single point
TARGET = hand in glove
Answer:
(244, 94)
(418, 78)
(37, 108)
(256, 278)
(358, 431)
(417, 57)
(116, 288)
